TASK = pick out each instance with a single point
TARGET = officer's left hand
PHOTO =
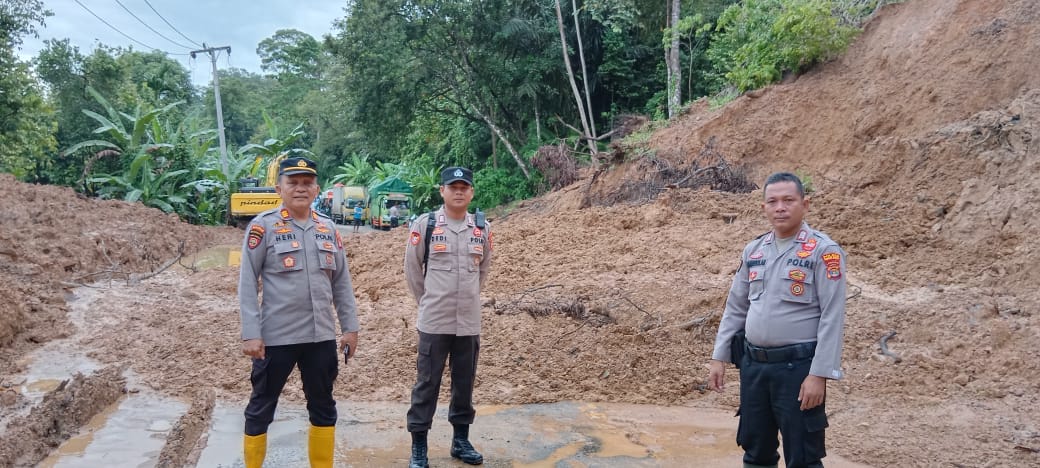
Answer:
(813, 392)
(349, 339)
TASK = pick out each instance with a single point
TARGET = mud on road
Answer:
(924, 175)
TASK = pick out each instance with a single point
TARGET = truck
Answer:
(254, 195)
(344, 199)
(384, 195)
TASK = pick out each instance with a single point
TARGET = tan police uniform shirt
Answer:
(304, 273)
(796, 295)
(458, 266)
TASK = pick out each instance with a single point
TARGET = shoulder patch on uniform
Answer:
(832, 260)
(256, 234)
(414, 238)
(339, 240)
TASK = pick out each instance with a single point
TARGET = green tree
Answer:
(759, 40)
(244, 96)
(26, 121)
(127, 78)
(292, 54)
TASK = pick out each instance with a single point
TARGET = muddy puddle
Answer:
(214, 257)
(129, 433)
(565, 434)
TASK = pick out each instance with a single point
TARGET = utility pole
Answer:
(213, 51)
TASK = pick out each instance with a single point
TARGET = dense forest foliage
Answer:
(396, 88)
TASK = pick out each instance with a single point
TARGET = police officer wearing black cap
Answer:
(447, 261)
(298, 257)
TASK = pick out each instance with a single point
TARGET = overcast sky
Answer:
(240, 24)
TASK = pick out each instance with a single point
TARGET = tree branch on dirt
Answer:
(574, 307)
(131, 278)
(134, 278)
(555, 163)
(697, 322)
(884, 347)
(709, 169)
(859, 291)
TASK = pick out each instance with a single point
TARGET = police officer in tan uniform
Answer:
(297, 257)
(788, 297)
(447, 288)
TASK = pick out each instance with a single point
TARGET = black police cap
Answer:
(290, 166)
(455, 174)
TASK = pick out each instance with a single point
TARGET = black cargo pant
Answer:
(433, 351)
(768, 403)
(319, 365)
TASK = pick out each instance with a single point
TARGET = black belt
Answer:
(782, 353)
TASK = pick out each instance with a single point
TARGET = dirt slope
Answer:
(919, 144)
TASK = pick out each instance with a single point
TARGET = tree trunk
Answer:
(584, 75)
(509, 147)
(672, 59)
(494, 147)
(537, 122)
(574, 86)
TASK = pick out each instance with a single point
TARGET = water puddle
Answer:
(565, 434)
(129, 433)
(49, 366)
(215, 257)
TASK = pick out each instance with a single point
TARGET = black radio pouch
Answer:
(736, 349)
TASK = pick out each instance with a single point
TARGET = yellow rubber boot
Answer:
(321, 444)
(254, 449)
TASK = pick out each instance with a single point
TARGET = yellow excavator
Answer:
(252, 198)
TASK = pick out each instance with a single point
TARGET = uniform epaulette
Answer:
(823, 237)
(266, 212)
(763, 235)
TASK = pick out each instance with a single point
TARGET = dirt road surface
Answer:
(921, 147)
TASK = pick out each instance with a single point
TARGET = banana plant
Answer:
(358, 171)
(126, 139)
(424, 181)
(140, 140)
(142, 182)
(274, 145)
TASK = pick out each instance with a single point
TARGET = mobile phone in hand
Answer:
(346, 353)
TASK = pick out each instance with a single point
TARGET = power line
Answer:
(171, 26)
(113, 27)
(151, 28)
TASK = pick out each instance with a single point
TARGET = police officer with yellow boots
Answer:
(296, 257)
(786, 314)
(447, 261)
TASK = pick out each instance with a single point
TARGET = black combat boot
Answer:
(462, 449)
(419, 459)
